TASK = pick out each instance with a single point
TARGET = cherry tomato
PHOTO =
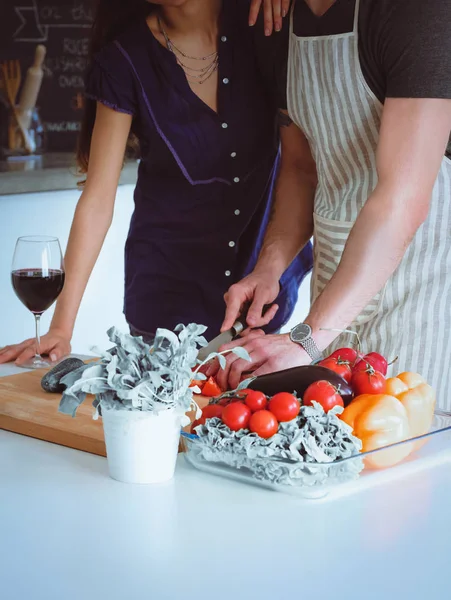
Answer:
(225, 401)
(284, 406)
(324, 393)
(208, 412)
(345, 354)
(264, 424)
(236, 416)
(374, 360)
(377, 361)
(197, 382)
(368, 382)
(255, 400)
(210, 388)
(212, 410)
(195, 423)
(339, 366)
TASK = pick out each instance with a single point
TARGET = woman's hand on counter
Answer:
(54, 344)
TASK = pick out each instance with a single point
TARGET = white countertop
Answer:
(69, 532)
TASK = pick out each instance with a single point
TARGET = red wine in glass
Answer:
(38, 279)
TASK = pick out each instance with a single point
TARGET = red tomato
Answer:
(236, 416)
(210, 388)
(225, 401)
(208, 412)
(324, 393)
(345, 354)
(264, 424)
(377, 361)
(339, 366)
(197, 382)
(212, 410)
(368, 382)
(284, 406)
(195, 423)
(255, 400)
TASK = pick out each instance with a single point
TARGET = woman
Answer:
(180, 76)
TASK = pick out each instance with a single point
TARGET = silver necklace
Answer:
(193, 74)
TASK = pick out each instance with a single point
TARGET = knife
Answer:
(227, 336)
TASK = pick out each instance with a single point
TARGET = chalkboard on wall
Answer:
(63, 26)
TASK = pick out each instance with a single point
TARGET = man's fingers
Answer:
(269, 315)
(254, 10)
(255, 316)
(212, 368)
(277, 14)
(234, 299)
(237, 369)
(263, 370)
(268, 17)
(222, 375)
(285, 7)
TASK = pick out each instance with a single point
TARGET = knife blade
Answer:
(227, 336)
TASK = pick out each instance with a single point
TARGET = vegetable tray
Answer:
(320, 479)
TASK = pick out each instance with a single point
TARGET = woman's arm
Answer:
(91, 222)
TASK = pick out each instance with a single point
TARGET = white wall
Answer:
(51, 214)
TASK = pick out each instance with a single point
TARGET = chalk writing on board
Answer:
(62, 126)
(39, 16)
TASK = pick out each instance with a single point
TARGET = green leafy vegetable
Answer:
(136, 376)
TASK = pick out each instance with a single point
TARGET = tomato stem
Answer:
(359, 355)
(393, 361)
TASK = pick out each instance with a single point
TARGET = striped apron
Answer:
(330, 101)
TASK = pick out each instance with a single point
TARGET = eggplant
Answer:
(298, 379)
(51, 382)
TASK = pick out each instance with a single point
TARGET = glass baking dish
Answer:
(318, 480)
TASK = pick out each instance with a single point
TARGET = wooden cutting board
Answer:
(26, 409)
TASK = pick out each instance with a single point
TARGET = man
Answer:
(369, 105)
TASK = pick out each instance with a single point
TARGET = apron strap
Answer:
(292, 16)
(355, 28)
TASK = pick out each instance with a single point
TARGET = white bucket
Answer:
(141, 446)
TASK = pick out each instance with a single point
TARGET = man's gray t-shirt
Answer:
(404, 46)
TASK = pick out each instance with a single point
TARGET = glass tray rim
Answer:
(190, 437)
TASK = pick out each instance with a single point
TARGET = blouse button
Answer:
(225, 80)
(233, 155)
(237, 212)
(223, 38)
(236, 179)
(224, 125)
(231, 244)
(227, 273)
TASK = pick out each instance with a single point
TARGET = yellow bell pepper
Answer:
(417, 397)
(405, 411)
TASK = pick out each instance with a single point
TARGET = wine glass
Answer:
(37, 277)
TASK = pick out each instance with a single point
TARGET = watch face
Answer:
(301, 332)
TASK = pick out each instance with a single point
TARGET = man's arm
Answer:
(413, 137)
(289, 230)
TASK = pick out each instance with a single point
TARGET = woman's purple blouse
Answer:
(205, 182)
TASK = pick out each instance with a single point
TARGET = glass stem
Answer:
(37, 319)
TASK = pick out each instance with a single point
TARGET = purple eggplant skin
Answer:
(298, 379)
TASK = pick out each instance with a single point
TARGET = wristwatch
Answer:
(302, 335)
